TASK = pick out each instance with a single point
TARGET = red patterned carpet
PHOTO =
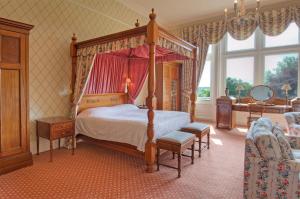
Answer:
(94, 172)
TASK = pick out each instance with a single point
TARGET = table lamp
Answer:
(239, 88)
(286, 87)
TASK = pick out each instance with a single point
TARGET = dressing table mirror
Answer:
(261, 94)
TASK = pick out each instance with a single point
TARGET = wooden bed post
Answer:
(73, 54)
(194, 86)
(152, 37)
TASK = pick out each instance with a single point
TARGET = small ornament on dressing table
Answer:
(286, 88)
(239, 88)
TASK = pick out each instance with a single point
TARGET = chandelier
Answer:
(240, 10)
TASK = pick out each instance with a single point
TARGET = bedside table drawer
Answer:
(63, 126)
(62, 133)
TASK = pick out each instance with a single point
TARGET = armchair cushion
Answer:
(293, 121)
(294, 141)
(286, 150)
(294, 129)
(266, 122)
(267, 144)
(296, 154)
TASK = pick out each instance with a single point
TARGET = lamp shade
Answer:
(128, 80)
(286, 87)
(239, 87)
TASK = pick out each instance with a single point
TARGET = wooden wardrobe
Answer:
(14, 127)
(168, 86)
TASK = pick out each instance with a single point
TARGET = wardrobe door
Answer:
(13, 121)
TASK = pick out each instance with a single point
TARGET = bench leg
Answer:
(208, 140)
(200, 145)
(157, 158)
(179, 164)
(193, 151)
(173, 155)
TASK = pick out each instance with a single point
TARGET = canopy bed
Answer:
(119, 60)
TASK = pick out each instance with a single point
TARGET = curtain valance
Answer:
(272, 22)
(167, 44)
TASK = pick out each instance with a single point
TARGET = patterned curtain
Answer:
(186, 84)
(165, 43)
(85, 60)
(272, 21)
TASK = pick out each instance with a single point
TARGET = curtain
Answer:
(108, 75)
(138, 70)
(85, 60)
(187, 73)
(271, 20)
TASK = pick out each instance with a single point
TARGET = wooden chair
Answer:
(255, 112)
(176, 142)
(199, 130)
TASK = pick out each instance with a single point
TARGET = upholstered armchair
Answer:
(293, 121)
(272, 163)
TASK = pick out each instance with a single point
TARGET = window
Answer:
(204, 87)
(237, 45)
(281, 69)
(240, 72)
(289, 37)
(259, 60)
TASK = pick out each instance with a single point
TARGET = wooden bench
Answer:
(176, 142)
(200, 130)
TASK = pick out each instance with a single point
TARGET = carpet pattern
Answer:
(95, 172)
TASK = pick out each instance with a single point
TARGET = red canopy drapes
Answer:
(110, 70)
(108, 75)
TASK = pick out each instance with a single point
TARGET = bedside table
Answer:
(54, 128)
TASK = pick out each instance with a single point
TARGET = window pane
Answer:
(240, 71)
(281, 69)
(204, 85)
(209, 51)
(289, 37)
(236, 45)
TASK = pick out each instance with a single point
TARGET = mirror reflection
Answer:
(261, 93)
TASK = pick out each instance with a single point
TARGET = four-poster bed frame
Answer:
(152, 32)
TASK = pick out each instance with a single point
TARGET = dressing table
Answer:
(260, 99)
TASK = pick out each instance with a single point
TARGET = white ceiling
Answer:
(175, 12)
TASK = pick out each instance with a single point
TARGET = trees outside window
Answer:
(281, 69)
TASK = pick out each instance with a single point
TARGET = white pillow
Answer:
(104, 111)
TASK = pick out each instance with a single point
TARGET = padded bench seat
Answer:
(200, 130)
(176, 142)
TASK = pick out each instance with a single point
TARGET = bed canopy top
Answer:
(134, 38)
(141, 47)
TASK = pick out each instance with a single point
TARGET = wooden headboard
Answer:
(100, 100)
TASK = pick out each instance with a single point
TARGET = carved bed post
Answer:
(152, 37)
(194, 86)
(73, 54)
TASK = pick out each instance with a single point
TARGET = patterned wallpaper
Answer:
(49, 62)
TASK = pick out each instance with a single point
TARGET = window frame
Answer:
(259, 53)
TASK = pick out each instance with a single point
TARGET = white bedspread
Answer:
(127, 124)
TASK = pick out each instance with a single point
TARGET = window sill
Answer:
(203, 100)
